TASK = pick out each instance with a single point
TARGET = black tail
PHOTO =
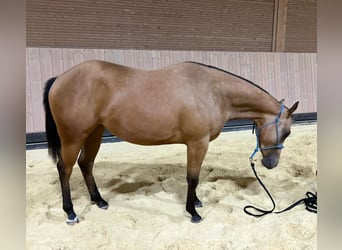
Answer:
(54, 142)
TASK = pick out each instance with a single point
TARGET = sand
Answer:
(145, 187)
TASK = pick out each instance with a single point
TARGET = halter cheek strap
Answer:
(257, 133)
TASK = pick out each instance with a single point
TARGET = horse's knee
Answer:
(192, 184)
(192, 180)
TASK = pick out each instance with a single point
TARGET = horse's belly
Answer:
(147, 138)
(155, 122)
(145, 131)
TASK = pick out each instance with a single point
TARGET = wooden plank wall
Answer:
(225, 25)
(228, 25)
(285, 75)
(301, 26)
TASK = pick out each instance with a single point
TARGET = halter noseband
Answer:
(257, 133)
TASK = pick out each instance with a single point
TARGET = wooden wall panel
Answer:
(287, 25)
(301, 26)
(285, 75)
(242, 25)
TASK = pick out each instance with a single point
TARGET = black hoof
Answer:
(198, 203)
(101, 204)
(72, 221)
(196, 218)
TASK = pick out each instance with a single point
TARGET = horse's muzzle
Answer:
(270, 161)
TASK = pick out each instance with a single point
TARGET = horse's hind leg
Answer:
(195, 155)
(64, 166)
(86, 163)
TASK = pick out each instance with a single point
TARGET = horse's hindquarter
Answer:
(72, 101)
(159, 107)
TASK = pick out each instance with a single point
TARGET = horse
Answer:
(184, 103)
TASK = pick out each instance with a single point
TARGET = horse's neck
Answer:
(254, 104)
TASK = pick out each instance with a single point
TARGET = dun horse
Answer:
(184, 103)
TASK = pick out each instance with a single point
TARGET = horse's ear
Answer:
(293, 108)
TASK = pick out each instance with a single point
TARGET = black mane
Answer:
(230, 73)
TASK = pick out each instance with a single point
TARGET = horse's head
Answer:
(271, 134)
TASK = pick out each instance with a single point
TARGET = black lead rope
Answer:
(310, 201)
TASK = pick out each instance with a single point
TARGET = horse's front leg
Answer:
(196, 151)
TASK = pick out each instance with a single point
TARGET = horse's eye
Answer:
(286, 134)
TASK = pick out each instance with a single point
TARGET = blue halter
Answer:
(257, 133)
